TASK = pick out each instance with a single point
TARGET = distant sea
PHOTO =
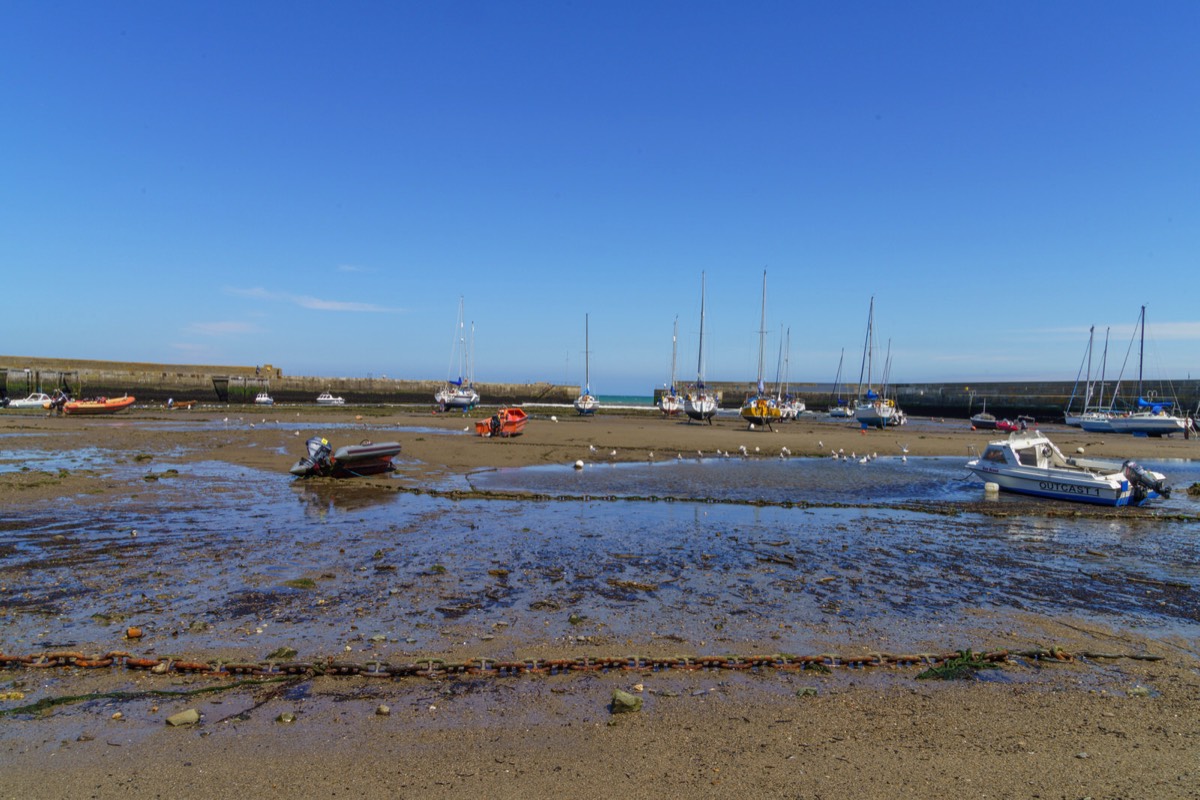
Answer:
(641, 401)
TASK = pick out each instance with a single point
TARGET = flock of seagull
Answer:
(784, 453)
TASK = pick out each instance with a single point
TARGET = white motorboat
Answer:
(35, 400)
(459, 394)
(327, 399)
(263, 399)
(699, 403)
(1029, 463)
(586, 403)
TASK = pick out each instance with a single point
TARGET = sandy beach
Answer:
(1118, 722)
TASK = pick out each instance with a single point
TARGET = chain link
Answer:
(438, 668)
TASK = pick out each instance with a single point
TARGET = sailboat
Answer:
(760, 408)
(875, 409)
(1074, 419)
(1097, 418)
(840, 407)
(587, 403)
(459, 393)
(671, 403)
(700, 404)
(789, 407)
(1151, 417)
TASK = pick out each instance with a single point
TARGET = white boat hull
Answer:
(1030, 464)
(700, 407)
(670, 404)
(457, 398)
(879, 415)
(1148, 423)
(587, 404)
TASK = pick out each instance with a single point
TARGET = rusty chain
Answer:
(437, 668)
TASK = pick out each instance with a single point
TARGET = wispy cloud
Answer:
(305, 301)
(352, 268)
(225, 328)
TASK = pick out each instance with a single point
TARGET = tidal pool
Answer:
(797, 555)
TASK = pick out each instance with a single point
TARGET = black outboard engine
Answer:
(317, 460)
(1143, 481)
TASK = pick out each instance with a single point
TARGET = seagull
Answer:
(553, 418)
(651, 454)
(820, 445)
(592, 447)
(903, 448)
(613, 453)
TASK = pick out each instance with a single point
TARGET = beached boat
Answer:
(350, 461)
(263, 399)
(875, 409)
(505, 422)
(174, 405)
(761, 409)
(460, 393)
(97, 405)
(670, 403)
(983, 421)
(1012, 425)
(1150, 417)
(327, 399)
(789, 407)
(35, 400)
(699, 404)
(1029, 463)
(586, 403)
(839, 407)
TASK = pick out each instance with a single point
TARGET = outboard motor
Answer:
(1143, 481)
(317, 460)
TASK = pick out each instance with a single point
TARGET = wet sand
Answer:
(1100, 727)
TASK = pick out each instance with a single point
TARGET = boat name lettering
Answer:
(1067, 488)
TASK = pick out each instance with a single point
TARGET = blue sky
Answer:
(314, 185)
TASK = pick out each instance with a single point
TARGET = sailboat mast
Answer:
(587, 357)
(762, 333)
(867, 346)
(700, 352)
(1087, 393)
(674, 351)
(1141, 350)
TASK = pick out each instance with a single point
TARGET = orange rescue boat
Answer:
(98, 405)
(505, 422)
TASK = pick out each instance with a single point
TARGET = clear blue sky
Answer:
(314, 185)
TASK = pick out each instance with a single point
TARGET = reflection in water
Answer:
(324, 497)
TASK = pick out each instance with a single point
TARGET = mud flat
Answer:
(187, 526)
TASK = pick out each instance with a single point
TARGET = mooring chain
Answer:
(437, 668)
